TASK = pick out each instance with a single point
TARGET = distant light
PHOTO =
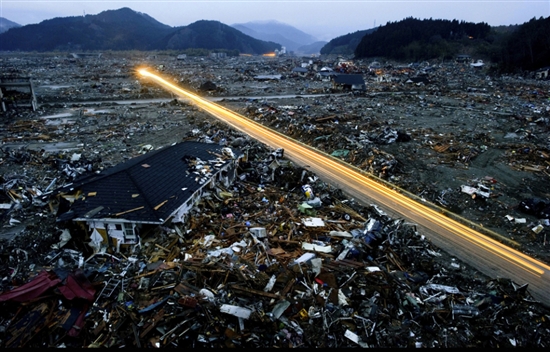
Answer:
(143, 72)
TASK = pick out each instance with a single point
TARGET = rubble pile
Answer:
(272, 262)
(432, 144)
(281, 258)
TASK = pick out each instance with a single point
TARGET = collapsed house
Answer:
(349, 82)
(281, 259)
(17, 92)
(300, 71)
(542, 73)
(114, 206)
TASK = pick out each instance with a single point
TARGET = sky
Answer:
(323, 19)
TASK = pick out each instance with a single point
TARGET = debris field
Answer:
(281, 258)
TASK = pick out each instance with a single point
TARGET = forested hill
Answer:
(126, 29)
(345, 44)
(512, 48)
(413, 39)
(527, 48)
(214, 35)
(122, 29)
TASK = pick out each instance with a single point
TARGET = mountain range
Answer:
(291, 38)
(509, 49)
(6, 24)
(126, 29)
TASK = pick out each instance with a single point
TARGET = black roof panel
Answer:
(162, 179)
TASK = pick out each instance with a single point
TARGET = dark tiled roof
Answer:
(162, 179)
(349, 79)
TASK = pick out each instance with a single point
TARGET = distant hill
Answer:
(345, 44)
(290, 37)
(526, 48)
(6, 24)
(126, 29)
(506, 29)
(416, 40)
(313, 48)
(508, 48)
(122, 29)
(216, 35)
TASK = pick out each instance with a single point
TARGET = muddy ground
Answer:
(468, 142)
(459, 127)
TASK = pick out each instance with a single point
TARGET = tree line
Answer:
(509, 49)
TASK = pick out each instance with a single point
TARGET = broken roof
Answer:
(148, 188)
(349, 79)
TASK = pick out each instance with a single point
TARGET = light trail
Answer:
(257, 130)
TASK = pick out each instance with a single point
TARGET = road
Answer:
(487, 255)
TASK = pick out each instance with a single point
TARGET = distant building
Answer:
(218, 55)
(477, 64)
(463, 58)
(349, 82)
(86, 55)
(300, 71)
(281, 52)
(326, 74)
(543, 73)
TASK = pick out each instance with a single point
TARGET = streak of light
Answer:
(509, 254)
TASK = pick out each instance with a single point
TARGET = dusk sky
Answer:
(322, 19)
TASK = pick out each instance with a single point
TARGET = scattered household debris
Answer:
(272, 256)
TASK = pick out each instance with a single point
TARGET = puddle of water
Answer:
(57, 116)
(60, 122)
(59, 146)
(56, 86)
(93, 111)
(48, 147)
(59, 119)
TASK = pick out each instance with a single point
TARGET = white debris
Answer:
(237, 311)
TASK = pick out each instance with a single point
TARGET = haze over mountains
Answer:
(6, 24)
(291, 38)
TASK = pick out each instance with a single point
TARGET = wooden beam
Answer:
(255, 292)
(160, 205)
(129, 211)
